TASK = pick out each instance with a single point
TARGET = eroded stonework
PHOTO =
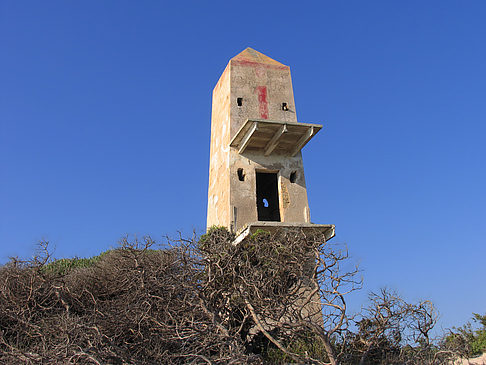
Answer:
(256, 168)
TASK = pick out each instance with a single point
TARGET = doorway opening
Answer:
(267, 196)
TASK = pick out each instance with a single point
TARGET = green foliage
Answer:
(473, 341)
(478, 343)
(63, 266)
(260, 233)
(213, 233)
(308, 346)
(481, 319)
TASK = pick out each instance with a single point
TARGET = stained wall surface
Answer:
(219, 184)
(253, 86)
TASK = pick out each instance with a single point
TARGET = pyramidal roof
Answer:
(249, 55)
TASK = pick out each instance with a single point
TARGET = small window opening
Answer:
(239, 101)
(285, 107)
(241, 175)
(267, 197)
(293, 176)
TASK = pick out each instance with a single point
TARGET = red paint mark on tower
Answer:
(253, 64)
(262, 99)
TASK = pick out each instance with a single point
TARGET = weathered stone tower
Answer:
(256, 173)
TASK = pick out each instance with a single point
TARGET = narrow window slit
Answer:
(241, 175)
(285, 107)
(239, 101)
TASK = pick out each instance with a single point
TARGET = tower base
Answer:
(327, 229)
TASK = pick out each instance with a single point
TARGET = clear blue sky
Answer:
(105, 119)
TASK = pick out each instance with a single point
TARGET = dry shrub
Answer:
(275, 298)
(134, 306)
(275, 288)
(203, 301)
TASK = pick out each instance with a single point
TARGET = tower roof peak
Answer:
(249, 55)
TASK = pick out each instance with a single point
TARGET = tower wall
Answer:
(263, 88)
(252, 86)
(293, 203)
(219, 179)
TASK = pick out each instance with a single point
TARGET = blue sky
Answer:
(105, 120)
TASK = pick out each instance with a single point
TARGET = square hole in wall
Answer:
(267, 196)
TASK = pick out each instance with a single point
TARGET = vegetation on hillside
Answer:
(276, 298)
(469, 340)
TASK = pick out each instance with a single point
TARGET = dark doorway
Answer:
(267, 197)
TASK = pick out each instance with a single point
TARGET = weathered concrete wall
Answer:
(294, 207)
(262, 84)
(219, 179)
(263, 88)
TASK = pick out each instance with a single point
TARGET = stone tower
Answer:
(256, 170)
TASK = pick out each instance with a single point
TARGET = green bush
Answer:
(478, 343)
(308, 346)
(466, 340)
(213, 231)
(63, 266)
